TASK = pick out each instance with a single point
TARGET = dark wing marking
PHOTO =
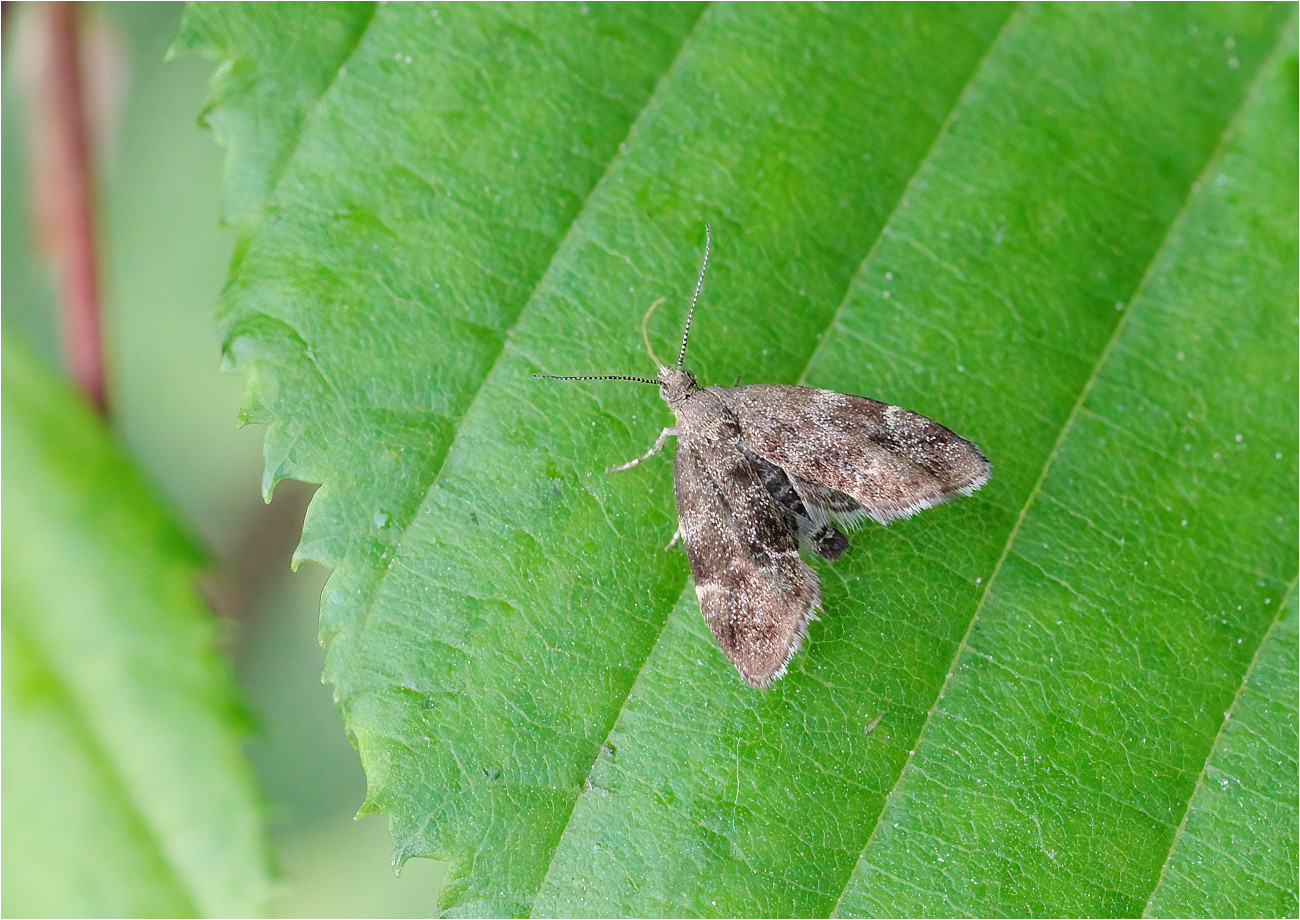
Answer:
(755, 592)
(891, 462)
(830, 503)
(804, 510)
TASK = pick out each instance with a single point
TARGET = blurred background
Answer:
(162, 263)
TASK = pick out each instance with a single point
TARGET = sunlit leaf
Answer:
(1066, 232)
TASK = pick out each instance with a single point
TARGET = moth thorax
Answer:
(677, 384)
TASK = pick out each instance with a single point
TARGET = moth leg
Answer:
(677, 535)
(659, 445)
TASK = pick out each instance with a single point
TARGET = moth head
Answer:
(676, 384)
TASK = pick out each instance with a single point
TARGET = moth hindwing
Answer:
(763, 470)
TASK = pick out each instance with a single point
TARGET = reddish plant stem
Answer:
(71, 203)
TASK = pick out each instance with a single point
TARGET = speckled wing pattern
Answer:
(851, 457)
(756, 593)
(805, 508)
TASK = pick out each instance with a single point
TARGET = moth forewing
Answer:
(755, 592)
(890, 461)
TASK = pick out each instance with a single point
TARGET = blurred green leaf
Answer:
(125, 789)
(1013, 221)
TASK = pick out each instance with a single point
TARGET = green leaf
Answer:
(278, 72)
(1009, 220)
(1122, 617)
(125, 789)
(1237, 843)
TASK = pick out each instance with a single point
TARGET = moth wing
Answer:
(891, 462)
(825, 503)
(755, 592)
(806, 509)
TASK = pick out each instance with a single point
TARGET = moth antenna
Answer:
(645, 334)
(601, 377)
(681, 355)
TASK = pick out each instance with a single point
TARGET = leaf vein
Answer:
(1181, 829)
(1153, 264)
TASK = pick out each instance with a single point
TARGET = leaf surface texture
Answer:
(1068, 233)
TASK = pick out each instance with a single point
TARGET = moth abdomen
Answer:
(805, 508)
(829, 543)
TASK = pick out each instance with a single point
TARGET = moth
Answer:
(764, 470)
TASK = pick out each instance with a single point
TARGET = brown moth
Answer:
(762, 470)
